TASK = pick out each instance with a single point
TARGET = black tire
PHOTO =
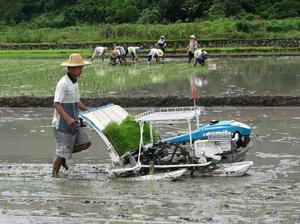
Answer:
(243, 140)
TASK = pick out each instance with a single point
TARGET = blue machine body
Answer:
(201, 133)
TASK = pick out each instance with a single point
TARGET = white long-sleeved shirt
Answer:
(100, 50)
(199, 53)
(120, 49)
(161, 43)
(153, 52)
(133, 50)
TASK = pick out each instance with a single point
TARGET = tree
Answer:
(195, 8)
(285, 9)
(122, 12)
(149, 15)
(10, 11)
(230, 8)
(171, 10)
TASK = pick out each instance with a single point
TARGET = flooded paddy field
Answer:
(261, 76)
(270, 193)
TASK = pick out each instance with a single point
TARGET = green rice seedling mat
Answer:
(125, 137)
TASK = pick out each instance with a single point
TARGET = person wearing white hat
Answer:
(200, 57)
(155, 53)
(193, 44)
(99, 51)
(68, 128)
(161, 44)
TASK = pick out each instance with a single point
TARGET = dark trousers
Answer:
(156, 58)
(200, 60)
(191, 55)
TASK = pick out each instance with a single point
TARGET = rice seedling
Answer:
(213, 51)
(38, 77)
(126, 136)
(43, 54)
(5, 205)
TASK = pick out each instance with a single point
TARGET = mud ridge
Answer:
(157, 101)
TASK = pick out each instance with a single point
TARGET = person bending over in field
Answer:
(68, 129)
(99, 51)
(192, 47)
(132, 51)
(118, 54)
(200, 57)
(161, 44)
(155, 53)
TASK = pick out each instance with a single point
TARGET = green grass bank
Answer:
(221, 29)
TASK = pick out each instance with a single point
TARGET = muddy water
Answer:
(261, 76)
(268, 194)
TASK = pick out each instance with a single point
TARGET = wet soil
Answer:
(270, 193)
(157, 101)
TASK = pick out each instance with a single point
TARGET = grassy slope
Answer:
(218, 29)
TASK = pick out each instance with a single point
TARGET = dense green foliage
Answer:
(125, 137)
(61, 13)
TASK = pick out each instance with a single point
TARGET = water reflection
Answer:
(237, 76)
(198, 81)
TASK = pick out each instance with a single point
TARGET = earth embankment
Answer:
(150, 101)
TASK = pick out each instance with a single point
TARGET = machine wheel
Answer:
(243, 140)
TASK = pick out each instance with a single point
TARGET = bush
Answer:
(249, 27)
(2, 26)
(243, 26)
(281, 26)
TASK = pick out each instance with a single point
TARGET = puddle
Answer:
(86, 194)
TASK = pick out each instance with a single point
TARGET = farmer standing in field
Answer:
(192, 47)
(99, 51)
(161, 44)
(68, 131)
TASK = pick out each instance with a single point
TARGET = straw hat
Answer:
(114, 53)
(193, 36)
(159, 52)
(75, 60)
